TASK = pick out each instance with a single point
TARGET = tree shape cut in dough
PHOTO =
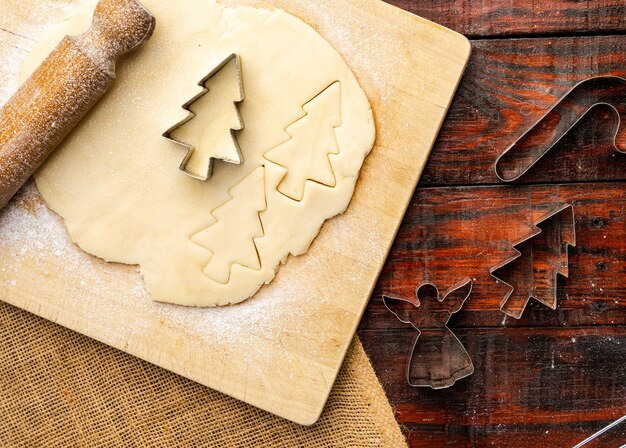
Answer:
(208, 132)
(231, 237)
(305, 154)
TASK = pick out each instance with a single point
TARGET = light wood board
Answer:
(281, 350)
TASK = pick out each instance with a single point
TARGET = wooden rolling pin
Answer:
(63, 89)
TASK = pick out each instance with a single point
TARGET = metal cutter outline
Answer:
(563, 270)
(190, 149)
(461, 355)
(567, 113)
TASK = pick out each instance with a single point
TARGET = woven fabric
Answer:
(61, 389)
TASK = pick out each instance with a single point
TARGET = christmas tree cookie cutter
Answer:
(238, 159)
(540, 262)
(535, 143)
(437, 358)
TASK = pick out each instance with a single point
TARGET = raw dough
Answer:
(116, 181)
(210, 135)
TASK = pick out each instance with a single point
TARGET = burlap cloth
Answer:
(61, 389)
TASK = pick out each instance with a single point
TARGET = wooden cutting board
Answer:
(281, 350)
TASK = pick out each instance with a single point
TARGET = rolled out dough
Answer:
(116, 183)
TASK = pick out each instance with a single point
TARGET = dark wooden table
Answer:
(553, 377)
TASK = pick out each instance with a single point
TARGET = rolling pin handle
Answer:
(118, 27)
(64, 88)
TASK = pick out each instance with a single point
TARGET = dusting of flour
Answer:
(34, 24)
(35, 240)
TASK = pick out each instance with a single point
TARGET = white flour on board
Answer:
(37, 241)
(35, 23)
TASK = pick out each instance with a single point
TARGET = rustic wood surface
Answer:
(553, 377)
(489, 18)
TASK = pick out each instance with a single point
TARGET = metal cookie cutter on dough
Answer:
(190, 149)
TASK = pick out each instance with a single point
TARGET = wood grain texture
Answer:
(285, 370)
(554, 377)
(548, 387)
(456, 232)
(480, 18)
(20, 19)
(507, 87)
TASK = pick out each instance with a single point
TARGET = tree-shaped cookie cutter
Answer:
(512, 164)
(544, 270)
(535, 143)
(437, 358)
(191, 115)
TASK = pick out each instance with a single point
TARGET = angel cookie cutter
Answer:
(437, 358)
